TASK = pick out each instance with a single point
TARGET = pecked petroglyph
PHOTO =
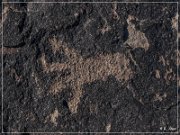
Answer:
(169, 74)
(105, 29)
(114, 13)
(55, 45)
(4, 13)
(52, 67)
(85, 70)
(157, 74)
(53, 117)
(6, 9)
(159, 97)
(108, 127)
(6, 50)
(175, 22)
(136, 38)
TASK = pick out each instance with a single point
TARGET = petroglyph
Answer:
(8, 51)
(114, 13)
(169, 74)
(159, 97)
(53, 117)
(108, 127)
(136, 38)
(157, 74)
(175, 22)
(4, 13)
(54, 45)
(85, 70)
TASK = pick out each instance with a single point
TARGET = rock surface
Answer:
(90, 67)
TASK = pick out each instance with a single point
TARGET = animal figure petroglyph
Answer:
(95, 68)
(84, 70)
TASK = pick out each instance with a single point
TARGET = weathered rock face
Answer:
(89, 67)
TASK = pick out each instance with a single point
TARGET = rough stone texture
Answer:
(90, 67)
